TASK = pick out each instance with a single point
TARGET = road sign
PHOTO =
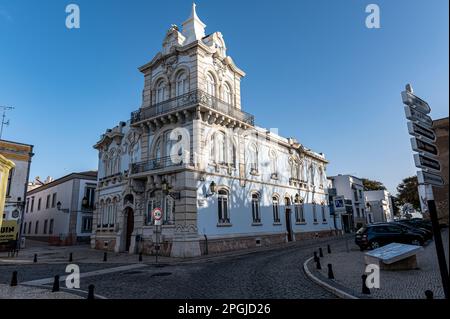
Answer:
(414, 115)
(157, 214)
(415, 102)
(339, 203)
(426, 163)
(428, 178)
(421, 131)
(422, 146)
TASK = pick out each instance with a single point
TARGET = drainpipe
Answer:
(206, 244)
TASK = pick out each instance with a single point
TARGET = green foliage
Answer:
(408, 192)
(371, 185)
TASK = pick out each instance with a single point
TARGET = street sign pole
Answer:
(437, 239)
(416, 110)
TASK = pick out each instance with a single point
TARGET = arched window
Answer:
(275, 208)
(224, 217)
(227, 95)
(221, 147)
(158, 151)
(255, 208)
(234, 155)
(253, 157)
(106, 165)
(299, 211)
(273, 163)
(302, 170)
(169, 210)
(212, 148)
(161, 91)
(312, 174)
(324, 216)
(106, 213)
(210, 85)
(181, 84)
(314, 206)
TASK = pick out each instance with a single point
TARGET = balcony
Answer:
(187, 100)
(154, 164)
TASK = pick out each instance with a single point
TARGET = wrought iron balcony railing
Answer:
(190, 99)
(153, 164)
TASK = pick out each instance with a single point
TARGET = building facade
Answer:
(222, 182)
(351, 189)
(60, 212)
(379, 206)
(20, 154)
(441, 127)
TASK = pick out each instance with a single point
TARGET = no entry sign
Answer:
(157, 214)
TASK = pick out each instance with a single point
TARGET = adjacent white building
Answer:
(379, 206)
(351, 188)
(222, 182)
(60, 212)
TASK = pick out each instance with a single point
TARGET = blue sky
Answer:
(313, 70)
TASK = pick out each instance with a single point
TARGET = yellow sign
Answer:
(8, 231)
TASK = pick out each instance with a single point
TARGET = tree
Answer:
(371, 185)
(408, 192)
(395, 206)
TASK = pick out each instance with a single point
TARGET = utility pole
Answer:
(5, 108)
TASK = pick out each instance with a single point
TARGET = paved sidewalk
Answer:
(406, 284)
(26, 292)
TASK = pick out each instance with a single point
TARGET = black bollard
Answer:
(365, 289)
(315, 257)
(140, 256)
(91, 292)
(55, 284)
(70, 257)
(14, 279)
(330, 271)
(429, 294)
(105, 256)
(318, 266)
(35, 258)
(320, 252)
(329, 249)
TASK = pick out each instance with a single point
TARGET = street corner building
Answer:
(221, 182)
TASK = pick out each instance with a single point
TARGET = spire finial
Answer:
(193, 27)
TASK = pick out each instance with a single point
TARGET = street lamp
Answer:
(64, 210)
(212, 189)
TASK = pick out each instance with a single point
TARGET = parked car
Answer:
(418, 223)
(427, 234)
(376, 235)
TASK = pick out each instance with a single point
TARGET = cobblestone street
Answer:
(272, 273)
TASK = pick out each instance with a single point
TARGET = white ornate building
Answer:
(222, 182)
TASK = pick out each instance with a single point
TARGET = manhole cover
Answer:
(160, 274)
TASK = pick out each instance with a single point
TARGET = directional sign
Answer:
(421, 131)
(415, 102)
(428, 178)
(414, 115)
(426, 163)
(421, 146)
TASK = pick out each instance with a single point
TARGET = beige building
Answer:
(5, 179)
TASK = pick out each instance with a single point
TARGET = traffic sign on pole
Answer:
(424, 147)
(414, 115)
(428, 178)
(421, 131)
(427, 163)
(416, 102)
(157, 214)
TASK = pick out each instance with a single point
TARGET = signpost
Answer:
(424, 147)
(420, 127)
(157, 215)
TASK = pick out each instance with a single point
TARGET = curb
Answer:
(341, 294)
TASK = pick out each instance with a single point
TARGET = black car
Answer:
(421, 231)
(377, 235)
(420, 223)
(427, 234)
